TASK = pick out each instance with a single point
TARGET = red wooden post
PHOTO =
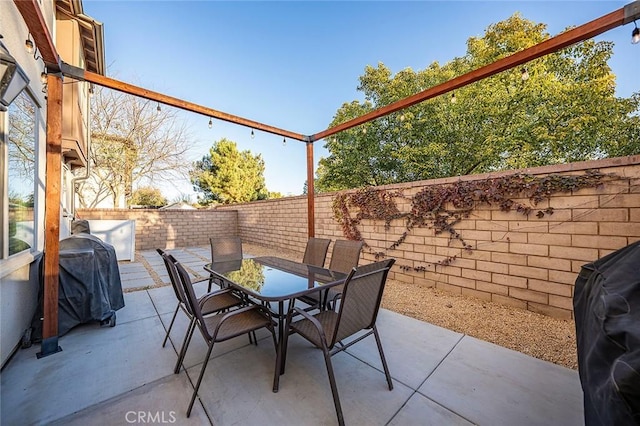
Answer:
(52, 216)
(311, 214)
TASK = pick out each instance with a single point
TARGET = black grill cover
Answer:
(80, 227)
(607, 312)
(89, 287)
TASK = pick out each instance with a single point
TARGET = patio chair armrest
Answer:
(240, 311)
(315, 323)
(199, 279)
(213, 294)
(302, 312)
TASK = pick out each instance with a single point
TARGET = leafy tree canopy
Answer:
(565, 111)
(227, 175)
(148, 196)
(275, 194)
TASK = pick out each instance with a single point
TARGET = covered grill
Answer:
(607, 311)
(89, 289)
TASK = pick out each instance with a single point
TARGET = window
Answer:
(18, 233)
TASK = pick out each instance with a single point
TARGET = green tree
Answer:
(148, 196)
(305, 187)
(274, 194)
(565, 111)
(227, 175)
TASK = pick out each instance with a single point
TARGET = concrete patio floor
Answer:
(122, 375)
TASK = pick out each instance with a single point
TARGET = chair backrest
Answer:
(193, 307)
(316, 251)
(361, 298)
(173, 275)
(345, 255)
(224, 249)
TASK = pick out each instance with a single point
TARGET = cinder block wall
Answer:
(526, 262)
(171, 228)
(280, 223)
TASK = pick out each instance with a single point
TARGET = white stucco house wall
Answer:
(79, 41)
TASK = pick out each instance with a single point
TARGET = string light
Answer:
(364, 131)
(43, 80)
(253, 135)
(402, 117)
(453, 98)
(158, 108)
(31, 48)
(210, 122)
(635, 34)
(525, 74)
(284, 141)
(28, 44)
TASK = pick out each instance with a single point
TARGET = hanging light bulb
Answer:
(284, 141)
(158, 108)
(401, 117)
(635, 34)
(31, 48)
(453, 98)
(43, 80)
(364, 131)
(524, 74)
(210, 122)
(28, 44)
(253, 135)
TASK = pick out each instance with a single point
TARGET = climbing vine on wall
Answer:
(441, 207)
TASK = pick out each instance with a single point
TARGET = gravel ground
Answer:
(536, 335)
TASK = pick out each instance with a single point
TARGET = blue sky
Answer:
(293, 64)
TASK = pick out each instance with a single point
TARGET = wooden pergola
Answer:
(57, 69)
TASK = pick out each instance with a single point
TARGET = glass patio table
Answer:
(272, 279)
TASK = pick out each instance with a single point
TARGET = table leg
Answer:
(281, 322)
(279, 369)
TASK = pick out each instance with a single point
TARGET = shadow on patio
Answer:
(122, 375)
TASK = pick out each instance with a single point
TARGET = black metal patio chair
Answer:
(315, 254)
(224, 249)
(358, 310)
(316, 251)
(215, 302)
(345, 256)
(221, 326)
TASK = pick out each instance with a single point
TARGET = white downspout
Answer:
(88, 167)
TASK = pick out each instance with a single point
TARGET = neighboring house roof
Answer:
(178, 206)
(92, 34)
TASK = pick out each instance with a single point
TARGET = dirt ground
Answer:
(536, 335)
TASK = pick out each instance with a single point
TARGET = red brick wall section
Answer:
(520, 261)
(170, 229)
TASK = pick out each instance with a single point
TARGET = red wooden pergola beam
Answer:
(575, 35)
(81, 74)
(32, 15)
